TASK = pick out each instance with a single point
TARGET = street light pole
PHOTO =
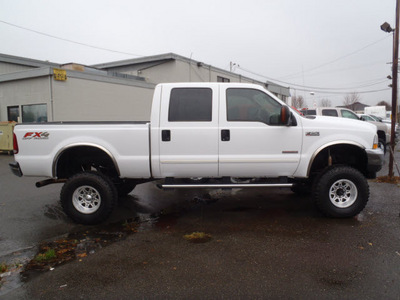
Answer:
(394, 88)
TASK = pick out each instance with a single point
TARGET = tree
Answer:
(384, 103)
(298, 101)
(326, 103)
(351, 99)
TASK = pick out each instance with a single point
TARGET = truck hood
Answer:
(323, 130)
(381, 126)
(340, 124)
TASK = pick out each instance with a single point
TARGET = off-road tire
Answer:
(88, 197)
(341, 192)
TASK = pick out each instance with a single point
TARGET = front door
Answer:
(252, 141)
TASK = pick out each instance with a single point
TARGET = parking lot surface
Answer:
(262, 243)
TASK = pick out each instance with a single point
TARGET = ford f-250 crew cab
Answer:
(203, 130)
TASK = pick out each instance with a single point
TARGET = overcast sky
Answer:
(328, 48)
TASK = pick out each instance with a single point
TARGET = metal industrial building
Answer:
(40, 91)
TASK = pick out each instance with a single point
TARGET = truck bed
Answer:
(42, 144)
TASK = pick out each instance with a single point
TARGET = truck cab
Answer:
(216, 130)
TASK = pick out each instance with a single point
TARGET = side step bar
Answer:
(223, 186)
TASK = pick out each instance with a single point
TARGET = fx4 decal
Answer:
(36, 136)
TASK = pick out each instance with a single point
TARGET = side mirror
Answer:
(285, 115)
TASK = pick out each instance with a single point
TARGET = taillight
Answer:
(15, 142)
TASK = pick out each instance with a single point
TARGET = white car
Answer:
(372, 118)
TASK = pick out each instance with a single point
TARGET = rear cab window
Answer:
(309, 112)
(330, 112)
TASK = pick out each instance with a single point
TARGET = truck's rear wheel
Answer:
(88, 197)
(341, 192)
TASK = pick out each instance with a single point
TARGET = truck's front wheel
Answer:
(341, 192)
(88, 197)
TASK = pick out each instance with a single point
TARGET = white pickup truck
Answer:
(213, 131)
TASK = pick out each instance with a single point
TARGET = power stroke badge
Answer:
(312, 133)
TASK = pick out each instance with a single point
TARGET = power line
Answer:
(344, 69)
(70, 41)
(313, 88)
(341, 93)
(335, 60)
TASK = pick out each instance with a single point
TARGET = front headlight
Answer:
(376, 142)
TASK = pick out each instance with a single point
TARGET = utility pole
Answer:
(387, 28)
(394, 87)
(232, 66)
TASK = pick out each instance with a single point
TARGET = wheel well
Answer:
(342, 154)
(381, 135)
(84, 158)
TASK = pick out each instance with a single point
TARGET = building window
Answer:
(223, 79)
(190, 105)
(13, 113)
(34, 113)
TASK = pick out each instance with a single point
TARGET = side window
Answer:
(349, 114)
(190, 105)
(367, 118)
(330, 112)
(252, 106)
(309, 112)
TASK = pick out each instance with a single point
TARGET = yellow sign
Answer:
(60, 74)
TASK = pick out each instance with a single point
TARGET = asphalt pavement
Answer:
(262, 243)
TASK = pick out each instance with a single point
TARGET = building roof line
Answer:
(48, 71)
(172, 56)
(134, 61)
(26, 74)
(26, 61)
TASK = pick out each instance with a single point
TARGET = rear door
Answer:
(189, 131)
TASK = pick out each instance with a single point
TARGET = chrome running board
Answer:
(223, 186)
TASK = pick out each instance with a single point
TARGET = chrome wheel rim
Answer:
(343, 193)
(86, 199)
